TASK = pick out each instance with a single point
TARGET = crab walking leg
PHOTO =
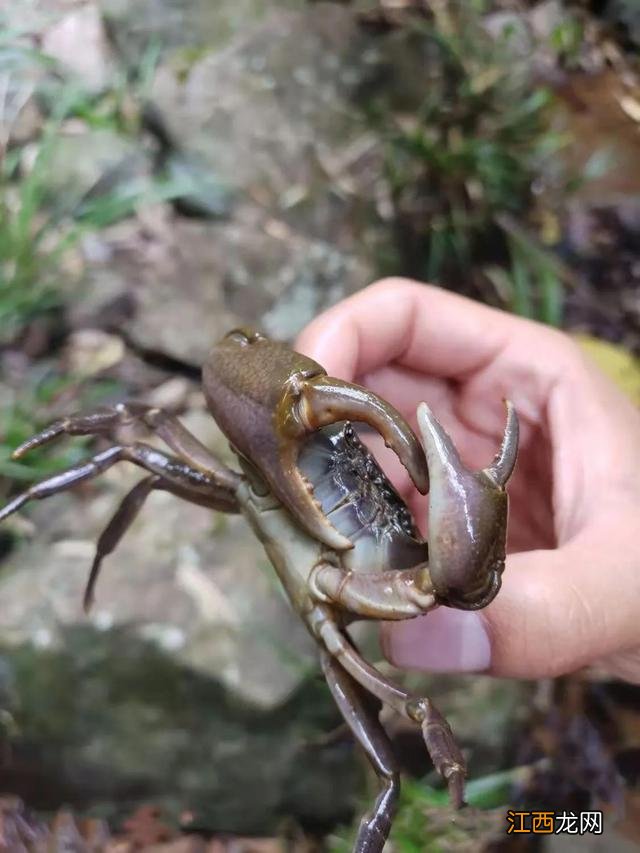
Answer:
(121, 521)
(437, 734)
(177, 474)
(395, 594)
(166, 426)
(367, 729)
(128, 511)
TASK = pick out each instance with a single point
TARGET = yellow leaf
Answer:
(487, 78)
(617, 362)
(550, 229)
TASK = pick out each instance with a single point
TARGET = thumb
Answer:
(558, 610)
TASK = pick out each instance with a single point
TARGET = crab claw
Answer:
(502, 466)
(268, 400)
(467, 515)
(311, 402)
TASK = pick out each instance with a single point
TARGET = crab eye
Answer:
(238, 336)
(244, 337)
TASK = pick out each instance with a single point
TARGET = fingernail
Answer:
(445, 640)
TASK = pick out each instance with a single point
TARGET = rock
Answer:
(33, 17)
(181, 27)
(204, 196)
(207, 278)
(91, 351)
(79, 43)
(109, 721)
(86, 165)
(268, 107)
(173, 395)
(263, 111)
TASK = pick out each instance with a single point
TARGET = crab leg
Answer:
(122, 520)
(106, 421)
(128, 511)
(178, 476)
(368, 731)
(169, 474)
(438, 737)
(394, 594)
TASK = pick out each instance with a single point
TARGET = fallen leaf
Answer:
(616, 361)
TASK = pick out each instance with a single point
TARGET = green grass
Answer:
(426, 824)
(534, 283)
(32, 242)
(37, 232)
(467, 156)
(36, 236)
(32, 408)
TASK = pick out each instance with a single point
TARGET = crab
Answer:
(338, 534)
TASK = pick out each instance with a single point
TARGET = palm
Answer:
(575, 493)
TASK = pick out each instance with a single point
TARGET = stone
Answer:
(78, 41)
(205, 195)
(85, 164)
(109, 720)
(209, 277)
(91, 351)
(181, 26)
(263, 109)
(34, 16)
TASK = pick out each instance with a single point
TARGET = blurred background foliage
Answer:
(169, 169)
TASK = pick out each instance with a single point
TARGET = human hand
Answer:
(571, 588)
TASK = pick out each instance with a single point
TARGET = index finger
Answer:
(416, 325)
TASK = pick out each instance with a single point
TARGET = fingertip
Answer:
(333, 341)
(444, 640)
(557, 612)
(365, 331)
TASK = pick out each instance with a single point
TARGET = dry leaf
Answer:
(617, 362)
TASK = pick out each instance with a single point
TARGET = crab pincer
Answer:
(467, 515)
(251, 381)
